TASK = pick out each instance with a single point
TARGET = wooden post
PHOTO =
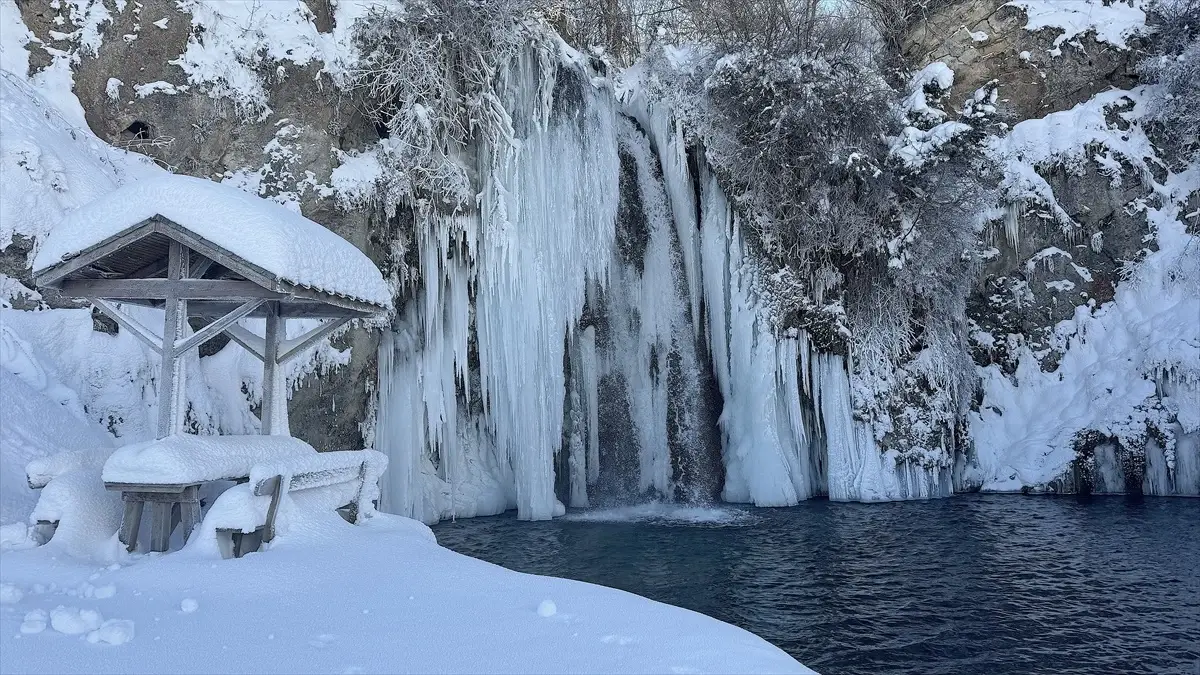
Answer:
(171, 376)
(131, 522)
(160, 526)
(189, 506)
(274, 403)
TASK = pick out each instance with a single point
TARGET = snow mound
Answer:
(1113, 22)
(41, 417)
(112, 632)
(256, 230)
(188, 458)
(326, 598)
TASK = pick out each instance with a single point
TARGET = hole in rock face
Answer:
(382, 130)
(137, 130)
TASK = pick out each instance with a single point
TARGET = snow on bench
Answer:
(350, 480)
(186, 459)
(42, 470)
(73, 508)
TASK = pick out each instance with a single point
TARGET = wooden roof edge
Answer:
(54, 275)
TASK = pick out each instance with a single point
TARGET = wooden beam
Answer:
(155, 268)
(128, 323)
(292, 348)
(254, 273)
(161, 289)
(215, 328)
(199, 267)
(172, 376)
(288, 309)
(249, 341)
(272, 418)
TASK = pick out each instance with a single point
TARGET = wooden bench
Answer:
(43, 530)
(323, 470)
(40, 472)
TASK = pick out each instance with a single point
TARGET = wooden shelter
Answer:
(159, 262)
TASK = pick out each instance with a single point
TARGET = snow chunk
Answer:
(74, 621)
(197, 459)
(189, 605)
(34, 622)
(1113, 22)
(976, 36)
(112, 632)
(113, 89)
(10, 594)
(260, 232)
(162, 23)
(935, 73)
(547, 609)
(159, 87)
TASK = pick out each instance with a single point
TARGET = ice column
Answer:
(548, 204)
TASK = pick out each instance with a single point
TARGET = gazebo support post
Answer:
(172, 375)
(274, 403)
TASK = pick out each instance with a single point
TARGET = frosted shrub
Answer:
(799, 138)
(867, 205)
(1176, 67)
(427, 74)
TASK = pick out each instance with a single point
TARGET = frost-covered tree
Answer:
(427, 77)
(868, 204)
(1175, 66)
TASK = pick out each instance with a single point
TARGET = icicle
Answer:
(1012, 225)
(666, 134)
(591, 389)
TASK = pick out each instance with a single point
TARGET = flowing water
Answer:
(990, 584)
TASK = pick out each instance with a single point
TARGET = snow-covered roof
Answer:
(264, 234)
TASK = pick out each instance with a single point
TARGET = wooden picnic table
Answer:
(170, 504)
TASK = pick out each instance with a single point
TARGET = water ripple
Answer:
(997, 584)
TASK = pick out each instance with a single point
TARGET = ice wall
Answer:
(521, 264)
(788, 422)
(597, 331)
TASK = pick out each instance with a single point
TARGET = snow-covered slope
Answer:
(39, 416)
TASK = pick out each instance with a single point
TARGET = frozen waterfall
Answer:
(595, 332)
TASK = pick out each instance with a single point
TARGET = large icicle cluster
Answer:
(789, 427)
(549, 208)
(544, 230)
(542, 360)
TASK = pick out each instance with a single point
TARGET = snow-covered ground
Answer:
(336, 598)
(326, 596)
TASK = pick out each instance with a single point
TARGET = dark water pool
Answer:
(973, 584)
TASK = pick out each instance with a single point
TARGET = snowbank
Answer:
(39, 416)
(331, 597)
(260, 232)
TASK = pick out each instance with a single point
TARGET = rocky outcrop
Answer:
(985, 40)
